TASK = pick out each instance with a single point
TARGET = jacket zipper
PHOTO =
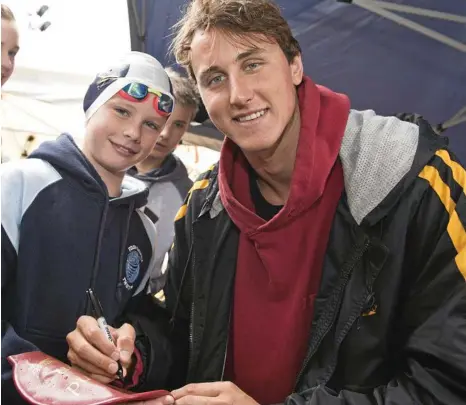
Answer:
(226, 347)
(191, 322)
(95, 266)
(191, 331)
(311, 353)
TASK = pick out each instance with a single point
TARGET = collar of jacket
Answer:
(212, 202)
(429, 143)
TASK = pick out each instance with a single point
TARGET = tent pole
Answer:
(143, 26)
(420, 11)
(138, 22)
(457, 119)
(369, 5)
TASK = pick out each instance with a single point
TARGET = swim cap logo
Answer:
(111, 75)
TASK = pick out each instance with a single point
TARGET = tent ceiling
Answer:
(391, 56)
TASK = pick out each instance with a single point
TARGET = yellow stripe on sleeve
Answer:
(455, 228)
(181, 212)
(459, 174)
(198, 185)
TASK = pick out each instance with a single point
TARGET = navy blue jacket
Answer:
(62, 234)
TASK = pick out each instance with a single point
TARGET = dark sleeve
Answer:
(11, 342)
(434, 310)
(152, 324)
(163, 330)
(11, 193)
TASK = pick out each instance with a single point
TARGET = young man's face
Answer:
(248, 87)
(173, 131)
(122, 133)
(10, 47)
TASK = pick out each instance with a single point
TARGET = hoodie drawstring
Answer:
(95, 267)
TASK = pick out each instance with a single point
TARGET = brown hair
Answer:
(7, 14)
(184, 90)
(239, 19)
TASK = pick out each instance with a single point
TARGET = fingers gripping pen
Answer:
(99, 314)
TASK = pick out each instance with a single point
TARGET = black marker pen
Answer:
(99, 314)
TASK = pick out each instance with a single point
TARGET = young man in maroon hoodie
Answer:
(323, 260)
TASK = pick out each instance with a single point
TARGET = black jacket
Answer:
(390, 318)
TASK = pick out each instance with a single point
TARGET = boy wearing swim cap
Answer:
(72, 219)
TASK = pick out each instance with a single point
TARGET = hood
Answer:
(377, 152)
(323, 119)
(172, 169)
(66, 157)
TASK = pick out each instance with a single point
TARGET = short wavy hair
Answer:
(239, 19)
(184, 90)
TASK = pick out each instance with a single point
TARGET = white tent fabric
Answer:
(23, 118)
(48, 85)
(42, 104)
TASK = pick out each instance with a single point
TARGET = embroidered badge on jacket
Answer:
(132, 266)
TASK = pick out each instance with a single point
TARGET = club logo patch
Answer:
(132, 266)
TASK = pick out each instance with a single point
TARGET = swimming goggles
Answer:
(137, 92)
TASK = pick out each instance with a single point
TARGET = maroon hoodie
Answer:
(280, 261)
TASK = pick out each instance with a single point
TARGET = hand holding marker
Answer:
(99, 314)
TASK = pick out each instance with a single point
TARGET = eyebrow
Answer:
(248, 53)
(241, 56)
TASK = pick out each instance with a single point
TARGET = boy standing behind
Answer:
(164, 173)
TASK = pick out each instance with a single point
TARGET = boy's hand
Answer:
(94, 354)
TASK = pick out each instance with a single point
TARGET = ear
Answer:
(297, 70)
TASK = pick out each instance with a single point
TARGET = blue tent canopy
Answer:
(397, 56)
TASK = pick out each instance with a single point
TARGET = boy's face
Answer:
(10, 48)
(248, 87)
(122, 133)
(173, 131)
